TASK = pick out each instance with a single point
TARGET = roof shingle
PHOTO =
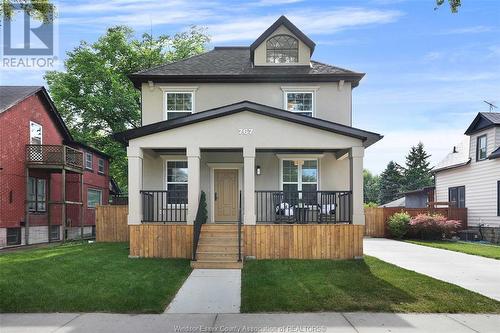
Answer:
(11, 95)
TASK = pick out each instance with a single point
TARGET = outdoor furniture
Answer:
(327, 213)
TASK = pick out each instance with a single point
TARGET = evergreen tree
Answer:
(370, 187)
(417, 173)
(390, 183)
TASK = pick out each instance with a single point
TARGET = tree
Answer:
(390, 183)
(42, 10)
(370, 187)
(454, 5)
(417, 173)
(94, 95)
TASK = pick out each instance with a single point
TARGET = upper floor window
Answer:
(35, 133)
(101, 166)
(482, 148)
(282, 49)
(88, 161)
(178, 104)
(299, 102)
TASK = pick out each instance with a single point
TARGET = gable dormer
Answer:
(282, 44)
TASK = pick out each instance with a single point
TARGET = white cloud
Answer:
(309, 21)
(467, 30)
(396, 144)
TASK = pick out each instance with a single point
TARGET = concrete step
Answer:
(216, 264)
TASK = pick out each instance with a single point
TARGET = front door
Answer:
(226, 195)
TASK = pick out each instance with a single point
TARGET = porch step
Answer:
(217, 264)
(217, 247)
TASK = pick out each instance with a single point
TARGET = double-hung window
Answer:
(300, 102)
(300, 180)
(177, 182)
(37, 194)
(456, 195)
(94, 198)
(100, 166)
(482, 148)
(36, 138)
(178, 104)
(88, 161)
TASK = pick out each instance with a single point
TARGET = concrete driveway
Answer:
(296, 322)
(475, 273)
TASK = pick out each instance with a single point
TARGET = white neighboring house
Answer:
(470, 174)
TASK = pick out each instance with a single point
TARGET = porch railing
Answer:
(239, 227)
(303, 207)
(54, 155)
(164, 206)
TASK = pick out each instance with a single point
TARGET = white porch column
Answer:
(249, 185)
(356, 157)
(135, 156)
(193, 159)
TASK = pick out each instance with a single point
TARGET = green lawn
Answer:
(351, 285)
(80, 277)
(478, 249)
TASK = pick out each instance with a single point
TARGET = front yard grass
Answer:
(478, 249)
(81, 277)
(351, 285)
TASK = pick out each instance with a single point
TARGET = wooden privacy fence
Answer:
(111, 223)
(376, 218)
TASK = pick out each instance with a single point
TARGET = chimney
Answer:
(455, 149)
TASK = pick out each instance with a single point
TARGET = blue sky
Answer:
(428, 70)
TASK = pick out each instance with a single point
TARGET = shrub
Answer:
(371, 205)
(398, 224)
(433, 227)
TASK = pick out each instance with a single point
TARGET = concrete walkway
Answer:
(475, 273)
(297, 322)
(209, 291)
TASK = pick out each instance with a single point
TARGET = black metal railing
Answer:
(164, 206)
(201, 218)
(239, 227)
(54, 155)
(303, 207)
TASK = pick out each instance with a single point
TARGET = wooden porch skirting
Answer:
(308, 241)
(161, 240)
(265, 241)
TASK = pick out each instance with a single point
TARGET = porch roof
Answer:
(367, 137)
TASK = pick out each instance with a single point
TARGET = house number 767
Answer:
(245, 131)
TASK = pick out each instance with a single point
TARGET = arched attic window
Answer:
(282, 49)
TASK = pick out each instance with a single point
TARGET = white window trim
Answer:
(41, 132)
(183, 90)
(165, 179)
(299, 90)
(87, 154)
(299, 172)
(97, 190)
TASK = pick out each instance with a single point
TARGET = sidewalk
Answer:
(209, 291)
(475, 273)
(297, 322)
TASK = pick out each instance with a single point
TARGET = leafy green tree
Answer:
(42, 10)
(454, 4)
(370, 187)
(417, 173)
(94, 95)
(390, 183)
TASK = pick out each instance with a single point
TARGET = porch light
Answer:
(257, 170)
(298, 162)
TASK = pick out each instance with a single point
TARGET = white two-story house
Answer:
(266, 133)
(469, 176)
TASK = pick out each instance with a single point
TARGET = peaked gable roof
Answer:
(13, 95)
(483, 121)
(290, 26)
(368, 138)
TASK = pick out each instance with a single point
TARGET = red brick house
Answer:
(46, 177)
